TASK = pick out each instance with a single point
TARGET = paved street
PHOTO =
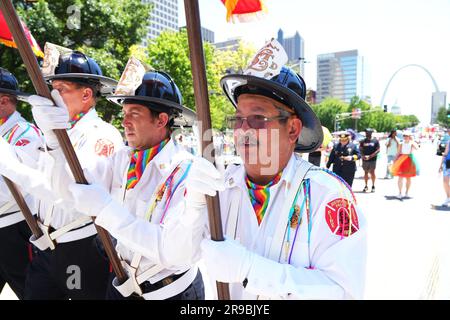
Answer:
(408, 249)
(409, 243)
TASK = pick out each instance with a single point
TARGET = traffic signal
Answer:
(385, 108)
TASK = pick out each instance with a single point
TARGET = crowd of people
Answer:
(345, 155)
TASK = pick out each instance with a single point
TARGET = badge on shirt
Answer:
(341, 217)
(104, 147)
(295, 216)
(22, 142)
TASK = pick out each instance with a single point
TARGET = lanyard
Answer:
(166, 185)
(305, 186)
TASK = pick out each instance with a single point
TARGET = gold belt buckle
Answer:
(167, 281)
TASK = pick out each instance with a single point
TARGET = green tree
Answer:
(225, 62)
(371, 117)
(442, 117)
(103, 29)
(327, 110)
(357, 103)
(170, 52)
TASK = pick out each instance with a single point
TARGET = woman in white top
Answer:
(405, 166)
(391, 152)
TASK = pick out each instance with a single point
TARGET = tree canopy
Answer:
(170, 52)
(371, 117)
(103, 29)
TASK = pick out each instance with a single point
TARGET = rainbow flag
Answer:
(244, 10)
(7, 39)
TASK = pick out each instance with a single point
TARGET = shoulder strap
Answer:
(156, 197)
(276, 247)
(5, 207)
(233, 213)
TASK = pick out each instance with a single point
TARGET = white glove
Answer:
(30, 180)
(226, 261)
(203, 179)
(90, 199)
(49, 116)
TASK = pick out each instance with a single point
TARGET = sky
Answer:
(389, 34)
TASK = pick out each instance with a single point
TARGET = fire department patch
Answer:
(104, 147)
(341, 217)
(22, 142)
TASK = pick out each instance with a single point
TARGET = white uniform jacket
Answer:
(326, 262)
(166, 243)
(26, 140)
(92, 138)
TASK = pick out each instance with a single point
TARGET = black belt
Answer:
(147, 287)
(51, 229)
(8, 214)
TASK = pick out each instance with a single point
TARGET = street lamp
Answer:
(300, 62)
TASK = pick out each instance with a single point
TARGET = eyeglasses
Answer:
(256, 121)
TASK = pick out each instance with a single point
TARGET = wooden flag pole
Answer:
(204, 115)
(42, 89)
(32, 223)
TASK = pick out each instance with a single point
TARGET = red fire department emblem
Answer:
(341, 217)
(104, 147)
(22, 142)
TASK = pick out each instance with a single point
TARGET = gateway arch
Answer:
(438, 98)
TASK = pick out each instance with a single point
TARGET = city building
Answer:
(395, 109)
(164, 16)
(438, 100)
(230, 44)
(341, 75)
(295, 49)
(207, 35)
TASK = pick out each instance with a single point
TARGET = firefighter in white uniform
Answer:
(69, 263)
(25, 139)
(293, 231)
(150, 196)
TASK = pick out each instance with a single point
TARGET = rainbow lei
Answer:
(139, 160)
(260, 196)
(3, 120)
(75, 119)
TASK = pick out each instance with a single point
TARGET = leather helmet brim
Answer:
(22, 96)
(183, 116)
(108, 84)
(311, 136)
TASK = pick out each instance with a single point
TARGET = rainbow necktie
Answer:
(139, 160)
(75, 119)
(260, 196)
